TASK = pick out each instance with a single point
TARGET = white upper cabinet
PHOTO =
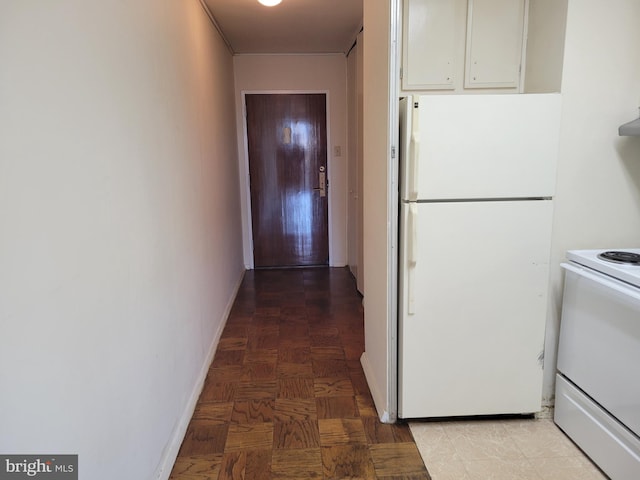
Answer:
(432, 38)
(494, 43)
(455, 45)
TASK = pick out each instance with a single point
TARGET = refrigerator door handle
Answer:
(412, 250)
(413, 166)
(414, 152)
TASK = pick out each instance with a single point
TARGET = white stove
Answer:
(597, 386)
(627, 272)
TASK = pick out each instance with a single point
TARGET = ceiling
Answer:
(294, 26)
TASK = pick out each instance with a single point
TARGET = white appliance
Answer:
(477, 175)
(597, 385)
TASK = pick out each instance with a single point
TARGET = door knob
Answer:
(322, 182)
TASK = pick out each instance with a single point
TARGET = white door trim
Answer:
(395, 63)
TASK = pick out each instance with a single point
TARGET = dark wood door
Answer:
(287, 142)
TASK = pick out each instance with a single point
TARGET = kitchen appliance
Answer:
(477, 176)
(597, 387)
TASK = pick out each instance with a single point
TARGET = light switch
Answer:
(337, 151)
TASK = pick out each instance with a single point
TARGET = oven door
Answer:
(599, 348)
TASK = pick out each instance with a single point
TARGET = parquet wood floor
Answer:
(286, 397)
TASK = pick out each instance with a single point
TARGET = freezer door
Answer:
(480, 146)
(473, 287)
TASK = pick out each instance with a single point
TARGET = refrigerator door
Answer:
(479, 146)
(473, 288)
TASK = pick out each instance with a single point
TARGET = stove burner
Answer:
(614, 256)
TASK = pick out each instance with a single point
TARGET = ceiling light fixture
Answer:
(269, 3)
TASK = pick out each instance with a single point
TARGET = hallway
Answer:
(286, 397)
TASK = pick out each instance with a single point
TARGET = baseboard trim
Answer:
(171, 450)
(379, 395)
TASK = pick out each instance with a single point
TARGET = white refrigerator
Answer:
(477, 177)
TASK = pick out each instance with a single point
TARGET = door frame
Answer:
(245, 185)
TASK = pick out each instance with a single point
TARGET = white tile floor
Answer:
(501, 450)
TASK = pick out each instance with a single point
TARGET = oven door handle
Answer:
(603, 280)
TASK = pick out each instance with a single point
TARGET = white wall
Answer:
(376, 184)
(597, 201)
(119, 226)
(355, 148)
(287, 73)
(353, 246)
(545, 45)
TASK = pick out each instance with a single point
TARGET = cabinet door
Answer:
(494, 43)
(432, 34)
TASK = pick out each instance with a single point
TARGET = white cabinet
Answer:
(494, 43)
(432, 38)
(462, 44)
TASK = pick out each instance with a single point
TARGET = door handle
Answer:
(414, 152)
(322, 182)
(412, 256)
